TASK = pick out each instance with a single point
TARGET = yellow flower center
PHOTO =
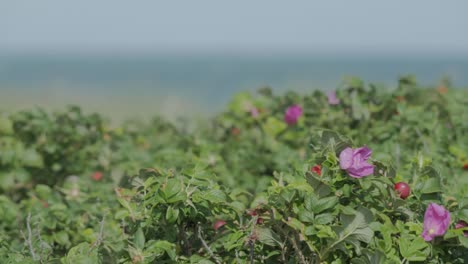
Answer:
(431, 231)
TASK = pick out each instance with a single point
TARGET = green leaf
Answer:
(324, 204)
(320, 187)
(413, 249)
(6, 126)
(215, 196)
(197, 259)
(463, 240)
(306, 216)
(324, 219)
(172, 214)
(172, 192)
(159, 247)
(139, 239)
(31, 158)
(294, 223)
(62, 238)
(354, 228)
(273, 126)
(81, 254)
(431, 185)
(267, 236)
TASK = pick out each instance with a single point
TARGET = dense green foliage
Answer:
(74, 189)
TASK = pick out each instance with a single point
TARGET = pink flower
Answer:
(354, 161)
(436, 221)
(332, 99)
(462, 224)
(254, 112)
(292, 114)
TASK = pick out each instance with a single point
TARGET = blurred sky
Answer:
(260, 26)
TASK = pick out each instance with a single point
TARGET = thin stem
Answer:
(29, 240)
(100, 237)
(205, 245)
(251, 246)
(426, 148)
(297, 249)
(294, 244)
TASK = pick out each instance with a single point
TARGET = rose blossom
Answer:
(332, 99)
(254, 112)
(436, 221)
(292, 114)
(462, 224)
(354, 161)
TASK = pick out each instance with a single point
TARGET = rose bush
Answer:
(261, 182)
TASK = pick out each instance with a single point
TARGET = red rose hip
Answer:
(97, 176)
(218, 224)
(252, 212)
(403, 189)
(317, 169)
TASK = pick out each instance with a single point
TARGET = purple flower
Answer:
(462, 224)
(332, 99)
(254, 112)
(292, 114)
(354, 161)
(436, 221)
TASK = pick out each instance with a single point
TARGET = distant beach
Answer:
(129, 86)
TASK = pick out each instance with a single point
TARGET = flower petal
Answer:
(365, 152)
(426, 236)
(292, 114)
(362, 171)
(436, 221)
(346, 158)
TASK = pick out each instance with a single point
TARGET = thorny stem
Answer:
(100, 237)
(426, 148)
(29, 240)
(187, 247)
(397, 155)
(237, 257)
(297, 249)
(294, 245)
(251, 246)
(205, 245)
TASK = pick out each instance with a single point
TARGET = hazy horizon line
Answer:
(236, 53)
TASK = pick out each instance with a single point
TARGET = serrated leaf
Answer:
(267, 236)
(6, 126)
(139, 239)
(158, 248)
(431, 185)
(215, 196)
(172, 214)
(324, 204)
(320, 187)
(306, 216)
(413, 249)
(324, 219)
(355, 228)
(31, 158)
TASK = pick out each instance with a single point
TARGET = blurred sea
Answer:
(127, 86)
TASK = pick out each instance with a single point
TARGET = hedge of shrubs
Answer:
(357, 175)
